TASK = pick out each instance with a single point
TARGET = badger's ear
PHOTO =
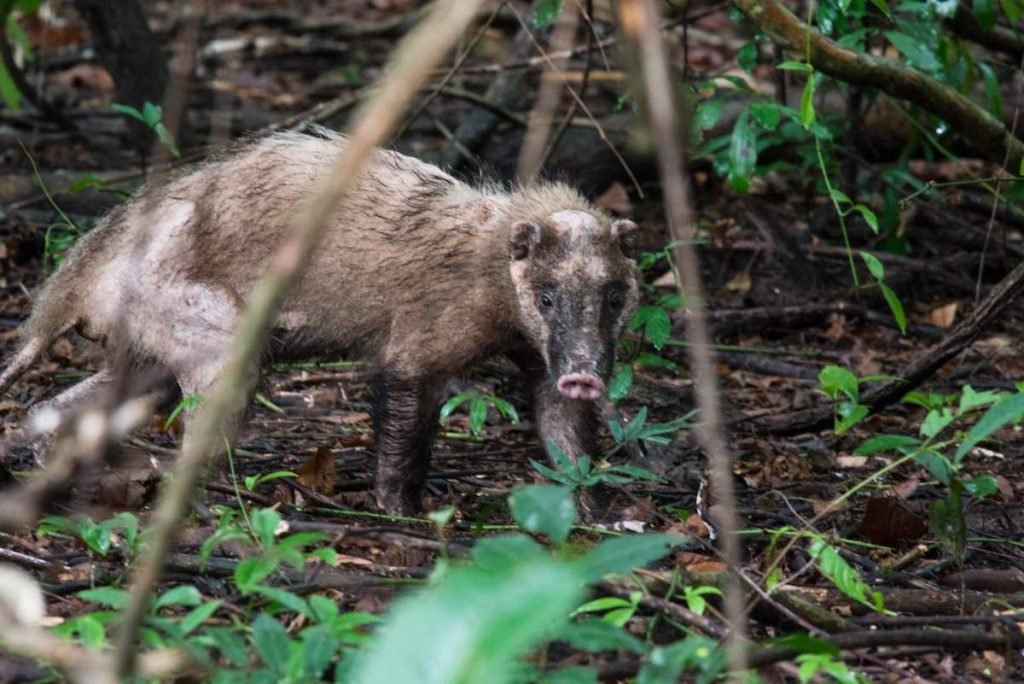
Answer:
(524, 236)
(624, 234)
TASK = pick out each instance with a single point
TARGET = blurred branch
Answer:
(979, 128)
(639, 20)
(416, 56)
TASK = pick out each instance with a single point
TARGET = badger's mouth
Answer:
(581, 386)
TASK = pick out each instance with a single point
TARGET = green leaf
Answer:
(599, 635)
(839, 572)
(198, 616)
(546, 11)
(105, 596)
(324, 609)
(1009, 410)
(504, 408)
(709, 113)
(937, 464)
(286, 599)
(874, 265)
(228, 642)
(251, 571)
(184, 595)
(869, 217)
(899, 443)
(746, 56)
(742, 153)
(265, 522)
(833, 380)
(985, 13)
(947, 521)
(471, 627)
(318, 648)
(970, 399)
(767, 114)
(981, 486)
(993, 92)
(271, 641)
(795, 66)
(665, 664)
(9, 92)
(850, 415)
(623, 554)
(807, 113)
(839, 196)
(620, 383)
(452, 404)
(895, 306)
(601, 605)
(129, 111)
(544, 509)
(1012, 9)
(477, 415)
(498, 552)
(917, 52)
(658, 327)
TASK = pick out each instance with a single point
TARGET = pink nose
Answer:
(581, 386)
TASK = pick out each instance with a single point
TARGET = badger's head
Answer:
(576, 288)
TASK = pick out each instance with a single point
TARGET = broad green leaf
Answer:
(546, 11)
(129, 111)
(665, 664)
(851, 414)
(452, 404)
(270, 639)
(599, 635)
(839, 196)
(477, 415)
(895, 306)
(471, 627)
(843, 575)
(874, 265)
(969, 399)
(746, 56)
(936, 464)
(265, 522)
(767, 114)
(623, 554)
(286, 599)
(105, 596)
(198, 616)
(658, 327)
(1012, 9)
(947, 520)
(917, 52)
(981, 486)
(504, 408)
(498, 552)
(228, 642)
(709, 112)
(807, 113)
(993, 91)
(834, 380)
(9, 92)
(251, 571)
(1009, 410)
(742, 152)
(620, 383)
(544, 509)
(795, 66)
(184, 595)
(318, 648)
(869, 217)
(985, 13)
(936, 421)
(899, 443)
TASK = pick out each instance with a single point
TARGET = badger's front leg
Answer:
(405, 422)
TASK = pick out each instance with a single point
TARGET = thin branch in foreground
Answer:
(639, 20)
(415, 57)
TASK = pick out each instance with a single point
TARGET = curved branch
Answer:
(979, 128)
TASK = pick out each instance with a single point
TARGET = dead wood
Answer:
(979, 128)
(919, 369)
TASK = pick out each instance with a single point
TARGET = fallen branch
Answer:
(920, 368)
(980, 129)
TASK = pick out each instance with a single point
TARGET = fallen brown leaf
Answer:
(318, 472)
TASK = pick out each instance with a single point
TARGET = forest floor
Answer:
(783, 306)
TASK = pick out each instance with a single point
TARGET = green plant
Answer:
(189, 404)
(150, 116)
(843, 387)
(479, 403)
(582, 472)
(98, 537)
(9, 92)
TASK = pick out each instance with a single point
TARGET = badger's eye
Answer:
(546, 301)
(615, 299)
